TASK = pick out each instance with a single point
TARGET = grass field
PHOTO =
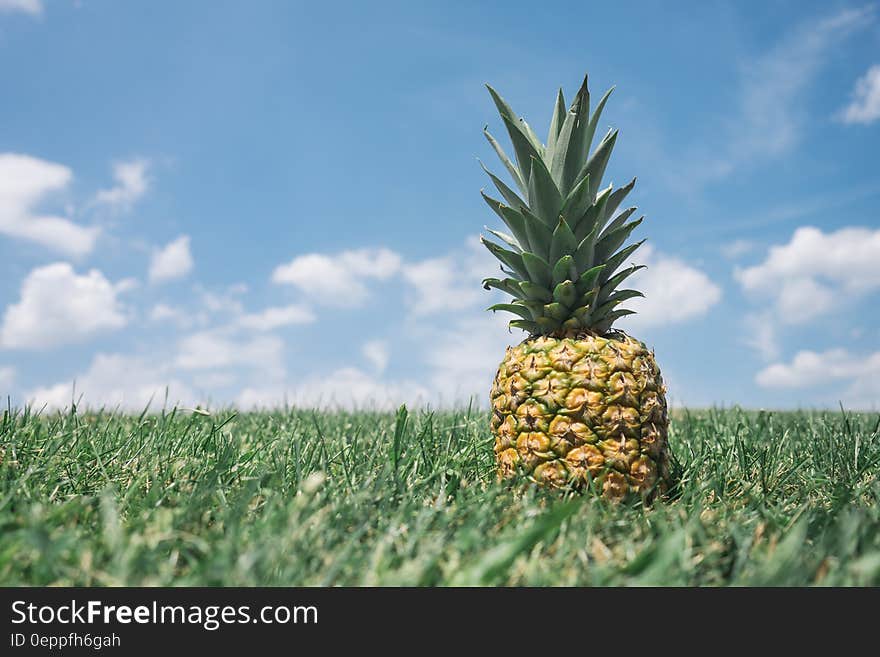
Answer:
(303, 498)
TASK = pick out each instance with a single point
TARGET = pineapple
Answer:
(577, 403)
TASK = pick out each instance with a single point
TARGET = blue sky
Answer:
(257, 202)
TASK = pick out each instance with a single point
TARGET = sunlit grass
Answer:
(299, 497)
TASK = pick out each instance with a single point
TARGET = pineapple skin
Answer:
(573, 409)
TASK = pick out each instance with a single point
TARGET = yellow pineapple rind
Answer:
(579, 409)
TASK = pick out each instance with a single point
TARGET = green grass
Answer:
(303, 498)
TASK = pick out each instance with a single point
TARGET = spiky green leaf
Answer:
(508, 164)
(512, 308)
(615, 239)
(555, 124)
(617, 259)
(510, 240)
(566, 293)
(535, 291)
(538, 269)
(564, 269)
(513, 260)
(563, 242)
(544, 198)
(510, 196)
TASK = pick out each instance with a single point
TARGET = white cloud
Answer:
(463, 359)
(131, 184)
(112, 380)
(172, 261)
(59, 306)
(736, 248)
(225, 301)
(812, 369)
(7, 376)
(865, 104)
(276, 317)
(32, 7)
(214, 349)
(674, 291)
(761, 335)
(450, 283)
(815, 271)
(27, 181)
(377, 353)
(162, 312)
(344, 388)
(341, 279)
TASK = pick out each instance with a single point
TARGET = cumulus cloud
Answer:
(340, 279)
(58, 306)
(674, 291)
(172, 261)
(117, 380)
(464, 357)
(206, 350)
(810, 369)
(736, 248)
(131, 184)
(276, 317)
(815, 271)
(377, 353)
(32, 7)
(450, 283)
(865, 105)
(25, 183)
(349, 388)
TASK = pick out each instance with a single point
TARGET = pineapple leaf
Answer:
(588, 298)
(544, 198)
(512, 308)
(510, 166)
(510, 240)
(512, 219)
(524, 149)
(577, 201)
(617, 197)
(535, 292)
(594, 218)
(555, 124)
(509, 195)
(605, 322)
(623, 295)
(539, 234)
(589, 278)
(584, 254)
(595, 165)
(565, 293)
(514, 261)
(537, 268)
(594, 122)
(536, 308)
(563, 243)
(561, 149)
(619, 220)
(581, 136)
(615, 239)
(617, 259)
(564, 269)
(513, 123)
(548, 324)
(525, 325)
(508, 285)
(555, 310)
(609, 286)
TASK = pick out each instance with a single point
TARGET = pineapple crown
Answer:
(564, 250)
